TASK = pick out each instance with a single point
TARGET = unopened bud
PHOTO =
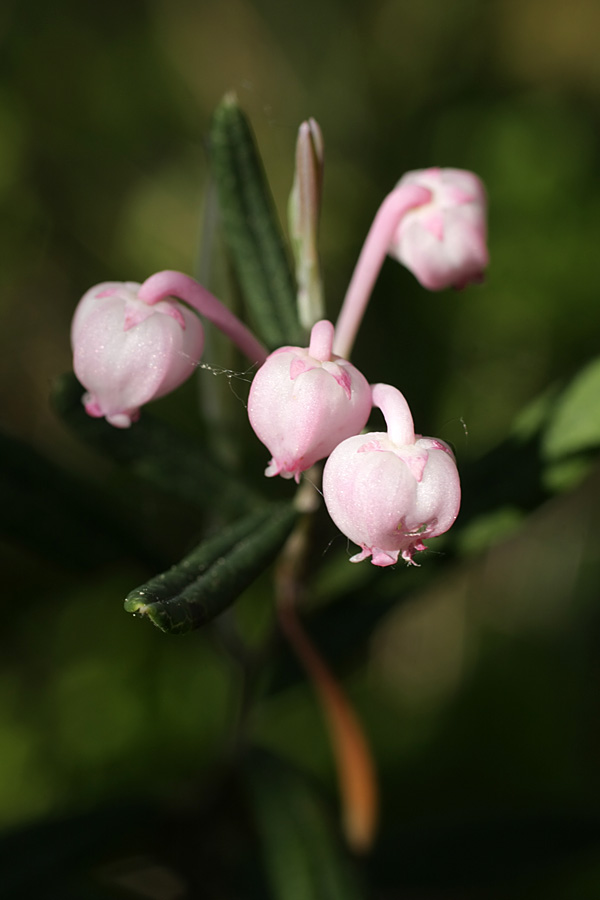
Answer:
(443, 242)
(304, 210)
(304, 401)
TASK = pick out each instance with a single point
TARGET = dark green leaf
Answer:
(251, 228)
(157, 453)
(207, 581)
(302, 854)
(56, 515)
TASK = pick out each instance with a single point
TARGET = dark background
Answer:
(480, 695)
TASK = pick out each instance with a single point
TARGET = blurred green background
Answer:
(480, 694)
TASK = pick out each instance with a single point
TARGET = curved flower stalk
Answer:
(370, 261)
(434, 223)
(126, 352)
(389, 491)
(169, 283)
(304, 401)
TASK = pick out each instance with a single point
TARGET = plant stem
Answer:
(356, 771)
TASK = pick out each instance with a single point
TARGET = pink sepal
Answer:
(384, 557)
(298, 366)
(435, 224)
(341, 375)
(92, 407)
(370, 446)
(137, 312)
(415, 459)
(274, 468)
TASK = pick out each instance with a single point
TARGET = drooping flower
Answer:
(127, 352)
(443, 242)
(389, 491)
(304, 401)
(435, 223)
(304, 209)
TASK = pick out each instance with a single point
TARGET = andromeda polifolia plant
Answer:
(390, 492)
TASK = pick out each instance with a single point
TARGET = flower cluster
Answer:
(387, 491)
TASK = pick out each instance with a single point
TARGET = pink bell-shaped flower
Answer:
(304, 401)
(127, 352)
(389, 491)
(443, 242)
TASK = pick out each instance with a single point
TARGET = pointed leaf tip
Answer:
(208, 580)
(230, 98)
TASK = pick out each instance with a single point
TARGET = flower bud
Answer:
(388, 491)
(304, 209)
(127, 352)
(443, 242)
(303, 402)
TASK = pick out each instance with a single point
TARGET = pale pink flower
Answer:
(389, 491)
(434, 222)
(443, 242)
(304, 401)
(127, 352)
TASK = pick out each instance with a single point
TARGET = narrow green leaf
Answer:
(251, 228)
(209, 579)
(157, 453)
(303, 856)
